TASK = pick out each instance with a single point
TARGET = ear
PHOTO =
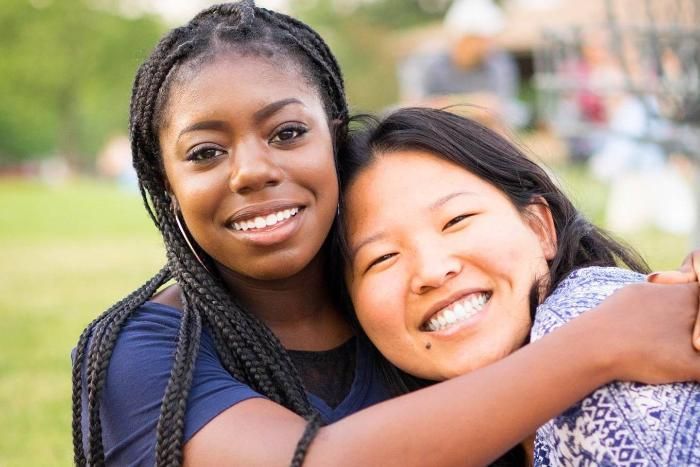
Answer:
(539, 218)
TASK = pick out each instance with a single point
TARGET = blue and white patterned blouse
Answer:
(621, 424)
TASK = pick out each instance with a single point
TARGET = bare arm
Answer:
(476, 417)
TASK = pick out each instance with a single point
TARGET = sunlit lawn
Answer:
(661, 250)
(67, 254)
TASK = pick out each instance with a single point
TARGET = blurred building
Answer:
(617, 82)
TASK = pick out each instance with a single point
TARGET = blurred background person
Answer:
(469, 69)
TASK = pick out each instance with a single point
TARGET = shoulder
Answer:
(593, 280)
(582, 290)
(148, 338)
(170, 296)
(138, 374)
(626, 424)
(144, 354)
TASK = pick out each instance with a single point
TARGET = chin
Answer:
(280, 272)
(463, 366)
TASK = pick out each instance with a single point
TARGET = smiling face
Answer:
(442, 264)
(248, 156)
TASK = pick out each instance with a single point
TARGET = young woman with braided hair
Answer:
(234, 118)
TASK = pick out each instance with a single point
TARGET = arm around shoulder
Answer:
(472, 418)
(476, 417)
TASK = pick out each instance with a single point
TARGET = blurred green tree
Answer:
(360, 34)
(65, 75)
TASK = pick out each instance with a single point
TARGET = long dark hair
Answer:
(247, 348)
(494, 159)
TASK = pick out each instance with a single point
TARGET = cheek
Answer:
(316, 170)
(316, 160)
(199, 205)
(517, 252)
(490, 346)
(197, 191)
(379, 313)
(380, 308)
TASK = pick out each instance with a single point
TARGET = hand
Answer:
(688, 272)
(644, 330)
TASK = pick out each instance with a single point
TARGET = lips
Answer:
(260, 222)
(261, 217)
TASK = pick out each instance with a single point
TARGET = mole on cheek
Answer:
(428, 345)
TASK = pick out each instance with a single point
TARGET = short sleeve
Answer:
(137, 375)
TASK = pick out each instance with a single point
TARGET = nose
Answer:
(253, 168)
(433, 268)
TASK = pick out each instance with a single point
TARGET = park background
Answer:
(73, 240)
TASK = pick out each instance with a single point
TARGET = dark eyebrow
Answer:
(258, 116)
(274, 107)
(446, 198)
(370, 239)
(206, 125)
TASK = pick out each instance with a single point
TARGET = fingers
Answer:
(672, 277)
(696, 332)
(695, 263)
(691, 264)
(688, 272)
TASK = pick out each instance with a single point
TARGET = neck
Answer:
(299, 310)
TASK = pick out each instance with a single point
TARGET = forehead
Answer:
(403, 186)
(231, 80)
(409, 175)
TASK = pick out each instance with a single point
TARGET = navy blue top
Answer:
(139, 370)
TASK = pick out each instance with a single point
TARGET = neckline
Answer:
(323, 353)
(358, 388)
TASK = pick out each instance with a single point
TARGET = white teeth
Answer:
(260, 222)
(457, 312)
(460, 311)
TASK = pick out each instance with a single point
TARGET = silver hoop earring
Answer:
(187, 239)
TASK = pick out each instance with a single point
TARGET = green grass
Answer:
(661, 250)
(68, 253)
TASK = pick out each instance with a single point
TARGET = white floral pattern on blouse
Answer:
(621, 424)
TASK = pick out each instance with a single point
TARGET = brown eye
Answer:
(288, 134)
(205, 153)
